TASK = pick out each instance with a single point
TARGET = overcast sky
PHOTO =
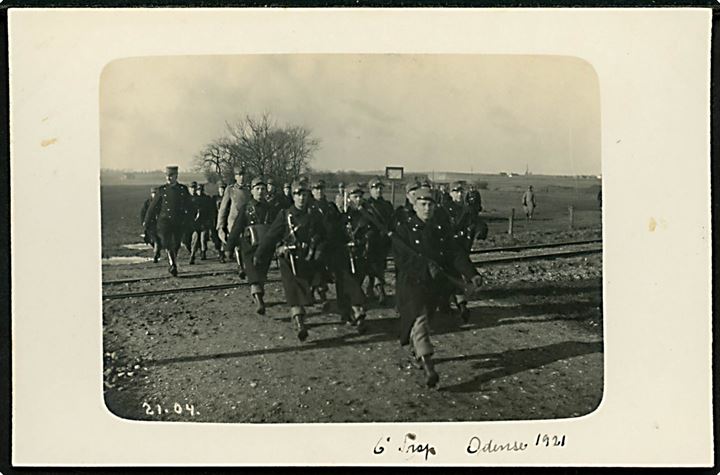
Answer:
(485, 113)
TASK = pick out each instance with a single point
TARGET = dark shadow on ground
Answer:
(387, 329)
(511, 362)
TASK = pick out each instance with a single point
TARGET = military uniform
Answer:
(422, 250)
(149, 234)
(302, 237)
(351, 262)
(171, 211)
(248, 230)
(379, 245)
(331, 220)
(205, 218)
(528, 202)
(233, 200)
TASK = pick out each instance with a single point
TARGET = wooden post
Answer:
(392, 193)
(571, 210)
(510, 221)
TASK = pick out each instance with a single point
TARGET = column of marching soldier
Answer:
(318, 242)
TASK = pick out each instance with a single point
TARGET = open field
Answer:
(532, 349)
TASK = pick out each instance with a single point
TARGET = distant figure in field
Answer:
(528, 202)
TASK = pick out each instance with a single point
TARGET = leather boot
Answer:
(302, 332)
(173, 270)
(259, 304)
(192, 259)
(222, 258)
(203, 255)
(431, 376)
(464, 312)
(380, 294)
(359, 322)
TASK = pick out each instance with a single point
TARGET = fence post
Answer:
(510, 221)
(571, 210)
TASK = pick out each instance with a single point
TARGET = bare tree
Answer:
(261, 147)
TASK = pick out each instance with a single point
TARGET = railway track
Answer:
(595, 249)
(488, 250)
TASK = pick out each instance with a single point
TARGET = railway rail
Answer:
(487, 250)
(479, 262)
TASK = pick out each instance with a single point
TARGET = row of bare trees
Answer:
(261, 147)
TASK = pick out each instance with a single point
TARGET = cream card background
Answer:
(653, 69)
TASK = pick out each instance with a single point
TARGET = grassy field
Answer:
(121, 208)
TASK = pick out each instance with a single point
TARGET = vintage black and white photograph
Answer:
(351, 238)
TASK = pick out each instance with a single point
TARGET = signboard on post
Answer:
(393, 174)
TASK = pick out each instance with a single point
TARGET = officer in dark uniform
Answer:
(351, 262)
(423, 252)
(379, 245)
(248, 230)
(172, 211)
(149, 235)
(275, 198)
(301, 235)
(205, 217)
(331, 219)
(473, 197)
(466, 225)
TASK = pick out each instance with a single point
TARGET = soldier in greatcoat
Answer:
(528, 202)
(214, 234)
(331, 219)
(149, 234)
(466, 225)
(172, 212)
(205, 217)
(423, 250)
(248, 230)
(236, 195)
(301, 236)
(379, 245)
(341, 197)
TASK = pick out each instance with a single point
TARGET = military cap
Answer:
(153, 189)
(239, 171)
(424, 194)
(375, 182)
(270, 181)
(457, 186)
(257, 181)
(170, 169)
(299, 186)
(222, 185)
(425, 183)
(412, 185)
(193, 184)
(318, 184)
(356, 188)
(341, 184)
(286, 185)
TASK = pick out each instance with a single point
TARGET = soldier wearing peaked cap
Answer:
(379, 244)
(214, 235)
(149, 235)
(423, 250)
(301, 236)
(236, 195)
(172, 211)
(341, 197)
(465, 225)
(330, 217)
(248, 230)
(351, 261)
(205, 217)
(405, 210)
(275, 197)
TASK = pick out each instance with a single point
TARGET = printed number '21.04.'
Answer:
(177, 408)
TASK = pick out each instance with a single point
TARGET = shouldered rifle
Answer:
(438, 270)
(352, 246)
